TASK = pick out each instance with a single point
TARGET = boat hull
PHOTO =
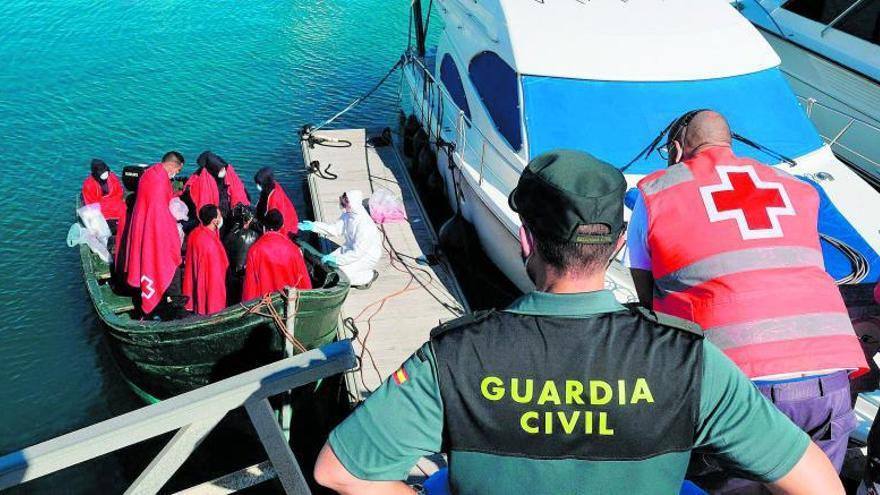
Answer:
(840, 94)
(482, 203)
(162, 359)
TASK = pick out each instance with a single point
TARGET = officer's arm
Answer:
(752, 438)
(813, 474)
(329, 472)
(373, 450)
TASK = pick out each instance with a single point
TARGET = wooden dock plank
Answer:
(395, 315)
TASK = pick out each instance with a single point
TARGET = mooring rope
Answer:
(275, 316)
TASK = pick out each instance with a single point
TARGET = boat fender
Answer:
(435, 183)
(463, 321)
(419, 141)
(409, 131)
(426, 163)
(666, 320)
(457, 238)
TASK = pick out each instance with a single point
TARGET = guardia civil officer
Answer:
(566, 391)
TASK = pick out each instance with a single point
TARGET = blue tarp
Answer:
(832, 223)
(614, 120)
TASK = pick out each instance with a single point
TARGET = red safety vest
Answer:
(734, 247)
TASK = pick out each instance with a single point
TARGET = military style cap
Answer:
(561, 190)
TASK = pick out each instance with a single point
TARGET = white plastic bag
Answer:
(78, 235)
(386, 208)
(94, 221)
(178, 209)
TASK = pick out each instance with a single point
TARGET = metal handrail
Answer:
(840, 17)
(427, 73)
(462, 146)
(193, 414)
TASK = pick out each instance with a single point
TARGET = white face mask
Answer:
(105, 175)
(220, 223)
(222, 173)
(259, 188)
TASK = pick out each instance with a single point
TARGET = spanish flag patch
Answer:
(400, 376)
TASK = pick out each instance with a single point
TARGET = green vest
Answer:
(619, 386)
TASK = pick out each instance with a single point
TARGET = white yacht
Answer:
(830, 52)
(510, 79)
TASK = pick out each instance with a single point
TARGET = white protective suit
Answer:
(362, 245)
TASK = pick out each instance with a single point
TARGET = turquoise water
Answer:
(126, 81)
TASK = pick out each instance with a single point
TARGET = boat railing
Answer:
(462, 126)
(851, 138)
(193, 414)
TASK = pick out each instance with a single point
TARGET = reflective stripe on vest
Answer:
(734, 247)
(763, 258)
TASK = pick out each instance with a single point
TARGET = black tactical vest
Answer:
(616, 386)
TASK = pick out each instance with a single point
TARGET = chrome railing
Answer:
(851, 138)
(193, 414)
(461, 125)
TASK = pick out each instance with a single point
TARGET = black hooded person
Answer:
(273, 197)
(217, 183)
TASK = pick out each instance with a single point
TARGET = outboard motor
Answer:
(131, 175)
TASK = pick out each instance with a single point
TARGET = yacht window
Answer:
(497, 85)
(452, 80)
(862, 22)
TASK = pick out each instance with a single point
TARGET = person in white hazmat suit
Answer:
(362, 245)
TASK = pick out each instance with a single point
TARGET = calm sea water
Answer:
(125, 81)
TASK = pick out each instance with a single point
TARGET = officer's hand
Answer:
(329, 259)
(306, 225)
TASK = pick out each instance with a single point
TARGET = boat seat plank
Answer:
(116, 303)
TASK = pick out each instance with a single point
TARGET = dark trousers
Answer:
(172, 303)
(820, 406)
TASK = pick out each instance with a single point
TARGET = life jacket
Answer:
(734, 247)
(619, 386)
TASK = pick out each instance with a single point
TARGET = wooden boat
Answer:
(160, 359)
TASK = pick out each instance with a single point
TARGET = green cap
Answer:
(561, 190)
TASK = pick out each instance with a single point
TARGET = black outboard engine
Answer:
(242, 234)
(131, 175)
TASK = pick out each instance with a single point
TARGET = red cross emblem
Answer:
(742, 196)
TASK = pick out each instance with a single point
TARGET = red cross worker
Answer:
(732, 244)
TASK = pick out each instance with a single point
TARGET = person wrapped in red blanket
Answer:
(152, 257)
(273, 197)
(103, 186)
(215, 183)
(274, 262)
(204, 274)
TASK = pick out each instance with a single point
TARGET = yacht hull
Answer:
(840, 96)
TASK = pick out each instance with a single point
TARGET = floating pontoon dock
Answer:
(396, 314)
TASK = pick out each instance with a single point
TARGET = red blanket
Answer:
(203, 189)
(112, 204)
(278, 200)
(204, 275)
(274, 262)
(153, 244)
